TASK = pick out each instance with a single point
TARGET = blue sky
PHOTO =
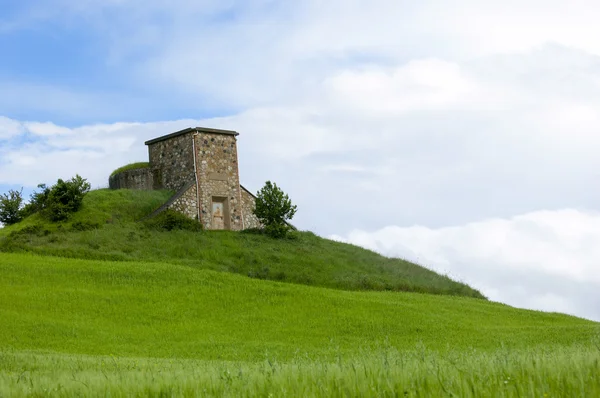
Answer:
(460, 133)
(83, 58)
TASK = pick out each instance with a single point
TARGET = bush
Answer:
(273, 208)
(37, 201)
(170, 220)
(58, 202)
(11, 211)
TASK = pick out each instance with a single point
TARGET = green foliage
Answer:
(306, 259)
(170, 220)
(58, 202)
(131, 166)
(11, 204)
(38, 201)
(66, 197)
(273, 208)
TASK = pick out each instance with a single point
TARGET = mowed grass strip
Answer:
(165, 310)
(106, 228)
(561, 372)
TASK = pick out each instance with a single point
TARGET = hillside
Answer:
(107, 228)
(75, 327)
(164, 310)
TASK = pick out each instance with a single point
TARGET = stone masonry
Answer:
(201, 166)
(172, 159)
(218, 181)
(141, 178)
(250, 220)
(186, 203)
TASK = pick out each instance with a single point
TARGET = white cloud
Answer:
(46, 129)
(9, 128)
(546, 260)
(92, 151)
(419, 85)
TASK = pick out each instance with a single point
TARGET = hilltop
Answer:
(107, 227)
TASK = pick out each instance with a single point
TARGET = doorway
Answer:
(220, 213)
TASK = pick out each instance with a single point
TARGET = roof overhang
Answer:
(191, 130)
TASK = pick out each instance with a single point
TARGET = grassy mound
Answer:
(106, 228)
(130, 166)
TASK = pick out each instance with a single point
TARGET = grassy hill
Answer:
(105, 306)
(150, 328)
(163, 310)
(106, 228)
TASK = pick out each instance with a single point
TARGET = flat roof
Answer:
(190, 130)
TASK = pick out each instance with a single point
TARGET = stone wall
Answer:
(250, 220)
(218, 179)
(187, 203)
(132, 179)
(172, 161)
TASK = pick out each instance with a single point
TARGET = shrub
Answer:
(37, 201)
(273, 208)
(170, 220)
(11, 207)
(56, 203)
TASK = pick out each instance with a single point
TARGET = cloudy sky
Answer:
(462, 134)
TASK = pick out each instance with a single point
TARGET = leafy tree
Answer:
(273, 208)
(57, 202)
(37, 201)
(11, 207)
(65, 197)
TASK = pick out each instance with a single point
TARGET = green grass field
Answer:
(120, 328)
(111, 319)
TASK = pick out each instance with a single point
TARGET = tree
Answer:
(273, 208)
(65, 197)
(56, 203)
(11, 207)
(37, 201)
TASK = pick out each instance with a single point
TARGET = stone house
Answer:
(201, 166)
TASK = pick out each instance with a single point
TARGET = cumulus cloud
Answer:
(545, 260)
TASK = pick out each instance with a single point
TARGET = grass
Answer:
(568, 372)
(164, 310)
(103, 305)
(131, 166)
(106, 228)
(84, 327)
